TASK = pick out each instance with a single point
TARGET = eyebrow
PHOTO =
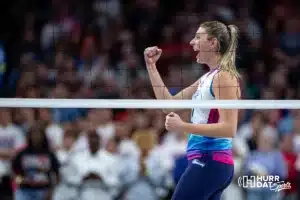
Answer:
(199, 34)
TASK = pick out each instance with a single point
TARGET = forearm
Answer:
(159, 88)
(210, 130)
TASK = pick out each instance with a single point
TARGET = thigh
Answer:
(202, 180)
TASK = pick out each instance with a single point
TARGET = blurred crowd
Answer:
(94, 49)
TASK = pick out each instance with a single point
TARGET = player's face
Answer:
(202, 45)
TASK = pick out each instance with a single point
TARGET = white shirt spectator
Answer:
(106, 132)
(245, 131)
(11, 138)
(160, 161)
(82, 143)
(130, 158)
(50, 33)
(102, 163)
(296, 143)
(55, 134)
(128, 148)
(240, 145)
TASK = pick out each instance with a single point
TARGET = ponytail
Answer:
(227, 62)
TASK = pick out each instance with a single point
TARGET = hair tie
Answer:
(229, 31)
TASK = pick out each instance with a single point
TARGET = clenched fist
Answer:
(152, 54)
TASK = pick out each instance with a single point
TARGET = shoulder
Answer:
(104, 154)
(107, 157)
(224, 78)
(226, 85)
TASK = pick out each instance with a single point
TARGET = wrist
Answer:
(151, 66)
(184, 127)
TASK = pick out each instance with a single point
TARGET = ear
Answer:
(215, 44)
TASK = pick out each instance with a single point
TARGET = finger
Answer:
(166, 125)
(167, 128)
(175, 115)
(152, 53)
(171, 114)
(147, 50)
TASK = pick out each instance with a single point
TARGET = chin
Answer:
(200, 61)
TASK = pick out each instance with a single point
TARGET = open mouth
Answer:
(198, 55)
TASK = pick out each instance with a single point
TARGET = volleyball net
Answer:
(136, 134)
(148, 104)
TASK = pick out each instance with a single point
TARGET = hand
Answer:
(152, 54)
(174, 123)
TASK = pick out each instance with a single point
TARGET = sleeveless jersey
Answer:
(197, 143)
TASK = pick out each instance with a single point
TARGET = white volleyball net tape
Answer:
(148, 104)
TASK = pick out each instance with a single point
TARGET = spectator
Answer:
(290, 158)
(11, 140)
(66, 189)
(266, 160)
(54, 131)
(249, 131)
(35, 166)
(97, 170)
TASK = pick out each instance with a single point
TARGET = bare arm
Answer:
(162, 92)
(151, 55)
(225, 87)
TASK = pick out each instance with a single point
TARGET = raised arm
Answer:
(151, 55)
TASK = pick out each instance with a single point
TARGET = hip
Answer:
(222, 156)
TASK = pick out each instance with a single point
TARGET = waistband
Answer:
(224, 156)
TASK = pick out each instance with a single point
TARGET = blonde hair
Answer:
(227, 37)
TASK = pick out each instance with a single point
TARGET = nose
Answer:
(192, 42)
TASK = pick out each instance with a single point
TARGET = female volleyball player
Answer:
(209, 153)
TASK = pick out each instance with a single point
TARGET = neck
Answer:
(213, 62)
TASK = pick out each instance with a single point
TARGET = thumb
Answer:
(171, 114)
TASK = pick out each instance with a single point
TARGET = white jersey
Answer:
(204, 92)
(196, 142)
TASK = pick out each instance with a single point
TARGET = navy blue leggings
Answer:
(204, 179)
